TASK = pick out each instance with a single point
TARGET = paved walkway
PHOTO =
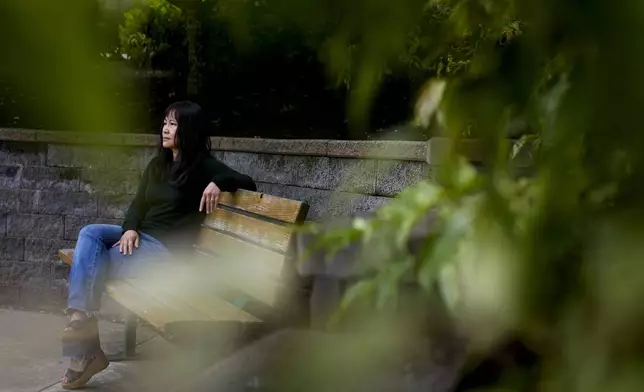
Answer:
(30, 361)
(30, 357)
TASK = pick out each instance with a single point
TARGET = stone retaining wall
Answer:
(53, 183)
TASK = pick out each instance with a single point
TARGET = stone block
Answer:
(44, 298)
(276, 169)
(18, 134)
(322, 203)
(394, 176)
(311, 172)
(18, 200)
(362, 203)
(352, 175)
(356, 175)
(246, 163)
(140, 140)
(274, 146)
(83, 137)
(59, 155)
(9, 295)
(73, 224)
(22, 153)
(405, 150)
(44, 250)
(121, 158)
(146, 155)
(10, 200)
(338, 205)
(37, 226)
(215, 142)
(23, 274)
(110, 181)
(10, 177)
(12, 248)
(67, 203)
(42, 177)
(113, 206)
(118, 158)
(3, 224)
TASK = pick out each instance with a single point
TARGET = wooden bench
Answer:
(240, 271)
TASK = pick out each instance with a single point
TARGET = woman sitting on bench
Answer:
(178, 187)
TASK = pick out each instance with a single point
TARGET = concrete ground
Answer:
(30, 361)
(30, 357)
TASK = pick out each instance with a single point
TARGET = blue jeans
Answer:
(96, 262)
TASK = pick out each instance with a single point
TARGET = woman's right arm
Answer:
(139, 206)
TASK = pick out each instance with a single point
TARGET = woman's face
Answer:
(169, 132)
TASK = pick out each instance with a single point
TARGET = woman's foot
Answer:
(81, 371)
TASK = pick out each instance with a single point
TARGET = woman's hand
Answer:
(128, 242)
(210, 198)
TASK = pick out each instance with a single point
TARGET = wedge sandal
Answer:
(93, 365)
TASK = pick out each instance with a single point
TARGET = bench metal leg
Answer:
(131, 323)
(129, 351)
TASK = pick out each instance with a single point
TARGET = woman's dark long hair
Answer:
(191, 140)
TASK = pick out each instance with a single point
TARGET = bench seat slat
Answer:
(189, 292)
(263, 204)
(261, 267)
(131, 294)
(151, 288)
(66, 256)
(229, 276)
(149, 308)
(216, 308)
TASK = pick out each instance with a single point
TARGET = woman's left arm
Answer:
(227, 179)
(222, 179)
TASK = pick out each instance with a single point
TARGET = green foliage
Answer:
(152, 29)
(405, 43)
(51, 74)
(362, 42)
(552, 259)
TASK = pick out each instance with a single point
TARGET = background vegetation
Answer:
(268, 68)
(551, 260)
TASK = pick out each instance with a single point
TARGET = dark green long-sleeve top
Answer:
(171, 213)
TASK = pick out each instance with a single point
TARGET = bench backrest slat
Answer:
(234, 250)
(245, 242)
(270, 235)
(274, 207)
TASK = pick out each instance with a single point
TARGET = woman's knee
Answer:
(93, 230)
(97, 230)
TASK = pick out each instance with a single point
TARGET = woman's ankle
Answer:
(76, 315)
